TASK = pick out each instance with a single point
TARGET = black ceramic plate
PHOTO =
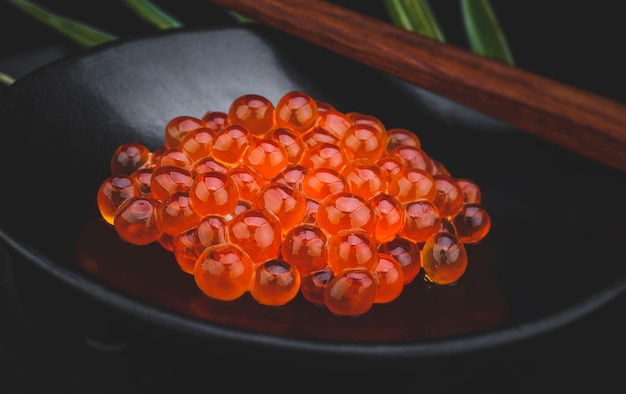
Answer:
(554, 253)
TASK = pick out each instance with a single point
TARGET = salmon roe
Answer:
(295, 199)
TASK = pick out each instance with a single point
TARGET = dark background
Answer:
(42, 351)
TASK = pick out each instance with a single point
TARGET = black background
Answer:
(42, 351)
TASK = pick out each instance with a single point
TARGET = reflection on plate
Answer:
(422, 312)
(553, 253)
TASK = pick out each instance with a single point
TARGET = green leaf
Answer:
(240, 17)
(483, 29)
(415, 16)
(81, 33)
(153, 14)
(6, 79)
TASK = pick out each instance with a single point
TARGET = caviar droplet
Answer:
(365, 178)
(421, 220)
(335, 122)
(390, 279)
(390, 166)
(472, 224)
(168, 180)
(313, 285)
(411, 184)
(449, 197)
(174, 157)
(344, 210)
(230, 144)
(178, 127)
(319, 183)
(319, 135)
(213, 193)
(211, 230)
(183, 249)
(306, 247)
(364, 141)
(196, 145)
(325, 156)
(407, 254)
(224, 272)
(350, 292)
(129, 157)
(215, 120)
(292, 176)
(258, 231)
(253, 112)
(291, 141)
(287, 204)
(249, 182)
(444, 259)
(353, 248)
(471, 191)
(297, 111)
(390, 217)
(208, 164)
(112, 193)
(136, 222)
(310, 214)
(399, 136)
(266, 156)
(142, 178)
(275, 283)
(412, 157)
(175, 214)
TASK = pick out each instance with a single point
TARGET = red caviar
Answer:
(295, 199)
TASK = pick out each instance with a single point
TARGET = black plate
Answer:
(554, 253)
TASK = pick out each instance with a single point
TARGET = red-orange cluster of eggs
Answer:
(297, 197)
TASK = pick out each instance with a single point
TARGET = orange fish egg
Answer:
(230, 144)
(405, 252)
(306, 247)
(286, 203)
(352, 248)
(257, 231)
(266, 156)
(112, 193)
(215, 120)
(345, 210)
(444, 258)
(390, 279)
(224, 272)
(421, 220)
(135, 221)
(128, 158)
(275, 283)
(213, 193)
(297, 111)
(351, 292)
(253, 112)
(178, 127)
(319, 183)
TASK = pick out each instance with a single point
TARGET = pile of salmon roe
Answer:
(295, 198)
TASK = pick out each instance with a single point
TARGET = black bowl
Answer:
(554, 253)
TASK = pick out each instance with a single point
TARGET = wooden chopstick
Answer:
(592, 125)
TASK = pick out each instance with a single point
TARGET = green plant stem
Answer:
(83, 34)
(483, 29)
(6, 79)
(240, 18)
(415, 16)
(153, 14)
